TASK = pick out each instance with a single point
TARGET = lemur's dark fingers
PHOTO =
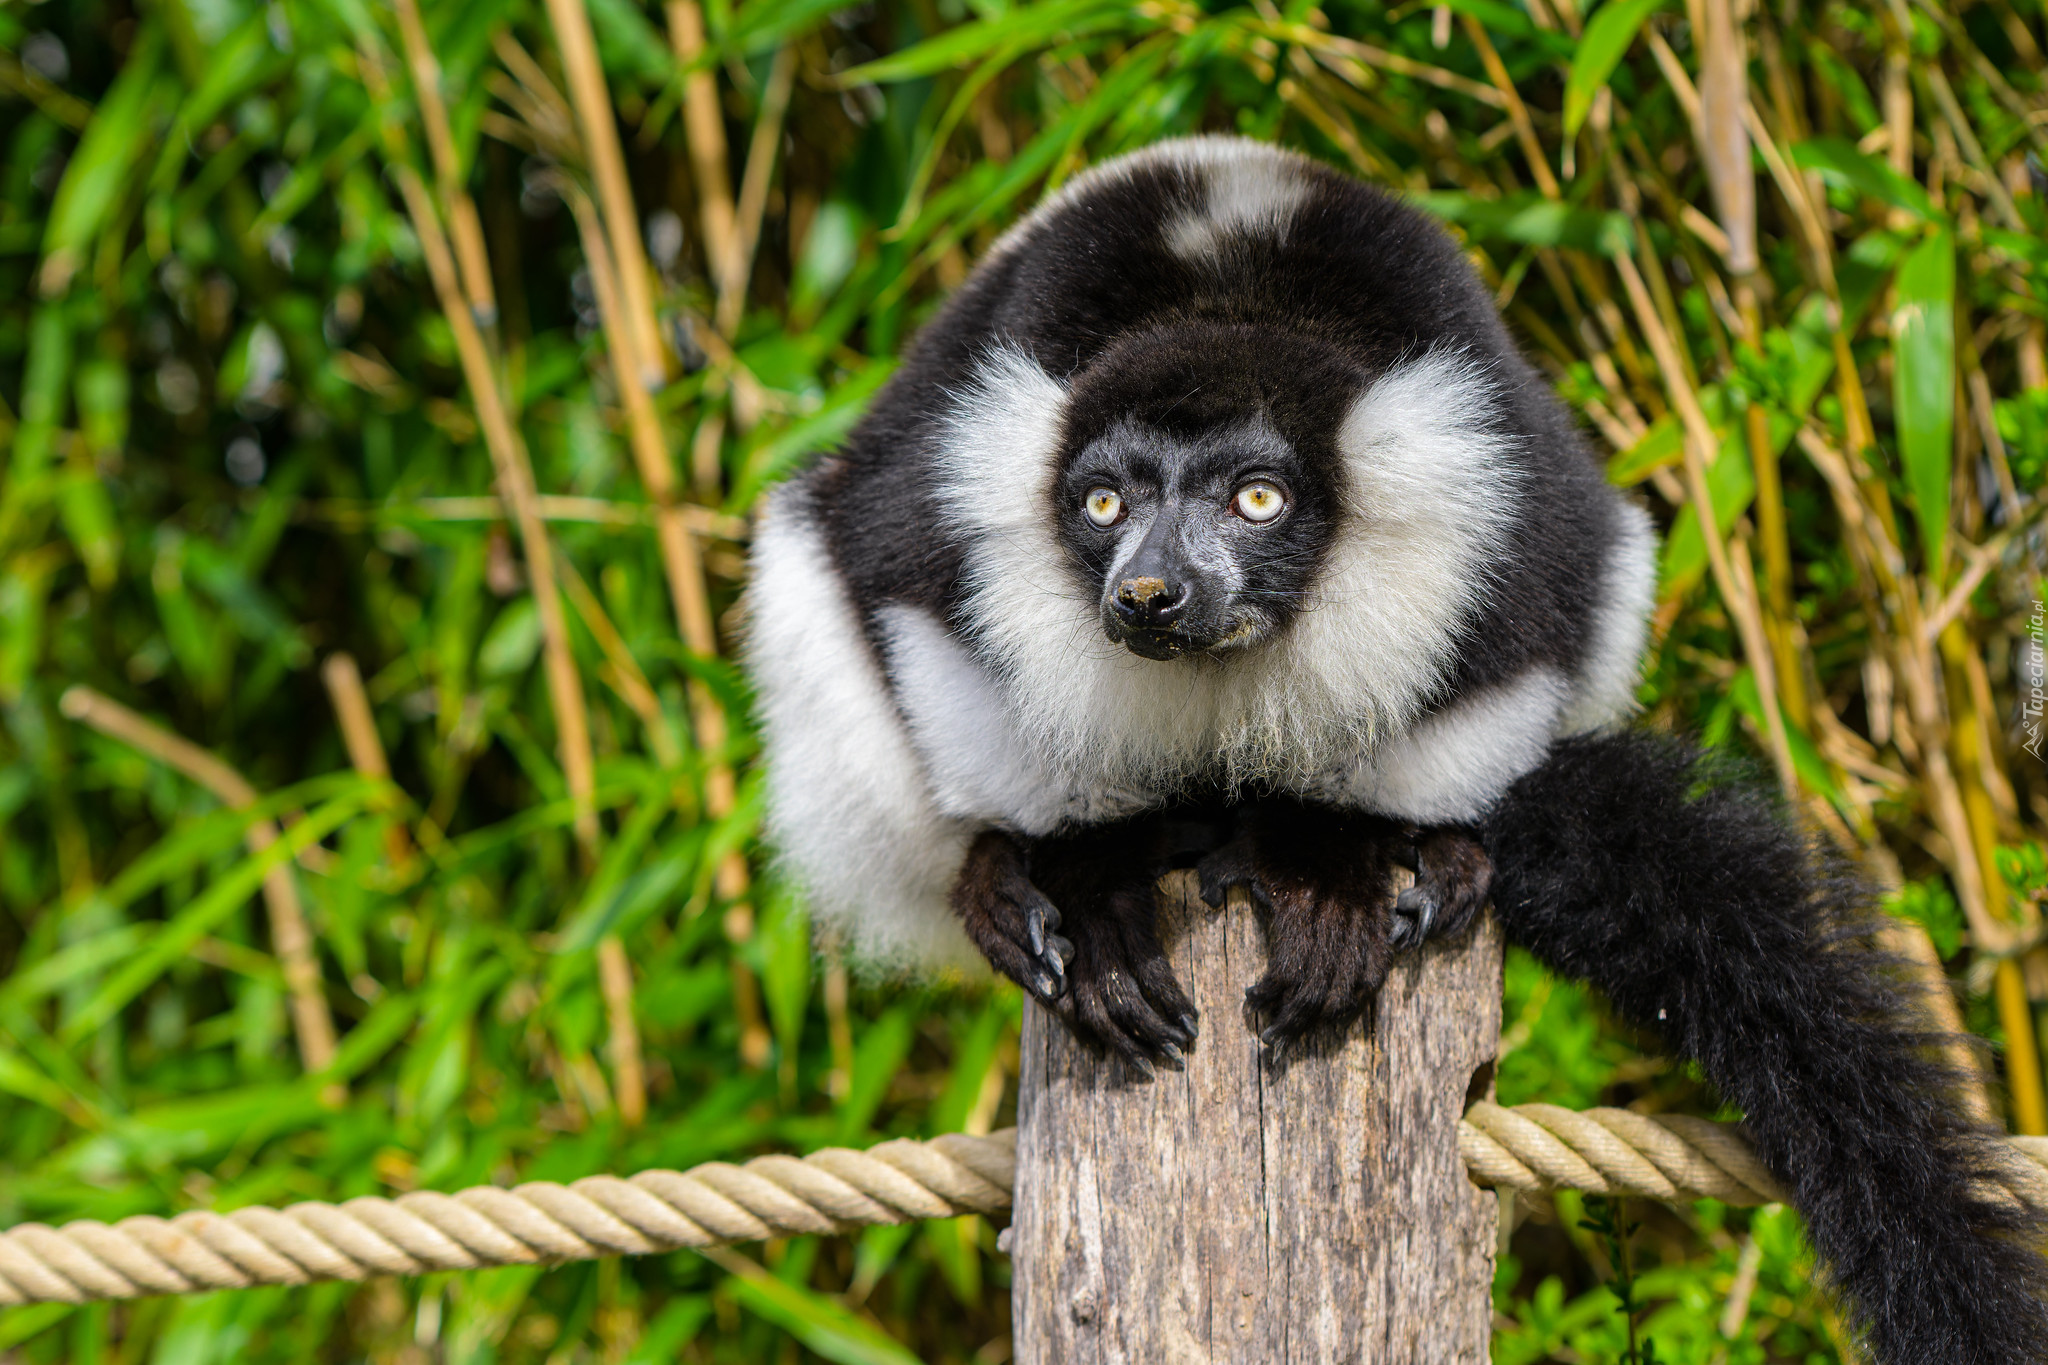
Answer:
(1010, 919)
(1233, 865)
(1123, 989)
(1459, 877)
(1328, 953)
(1334, 996)
(1115, 1010)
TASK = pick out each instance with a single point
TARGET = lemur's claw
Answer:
(1415, 911)
(1039, 921)
(1010, 919)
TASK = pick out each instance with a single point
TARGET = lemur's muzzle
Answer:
(1148, 602)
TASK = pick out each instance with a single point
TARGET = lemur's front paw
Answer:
(1010, 919)
(1328, 954)
(1324, 879)
(1224, 869)
(1123, 990)
(1452, 878)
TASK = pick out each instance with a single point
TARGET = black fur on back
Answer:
(1635, 863)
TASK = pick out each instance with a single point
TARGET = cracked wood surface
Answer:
(1309, 1208)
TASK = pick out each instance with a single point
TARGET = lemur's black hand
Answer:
(1122, 991)
(1452, 879)
(1011, 920)
(1111, 980)
(1325, 880)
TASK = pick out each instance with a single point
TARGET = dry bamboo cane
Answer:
(464, 226)
(593, 105)
(312, 1025)
(680, 559)
(359, 735)
(516, 486)
(710, 158)
(1699, 446)
(1518, 113)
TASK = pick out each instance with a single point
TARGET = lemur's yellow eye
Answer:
(1259, 501)
(1105, 506)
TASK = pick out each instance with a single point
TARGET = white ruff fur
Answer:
(848, 808)
(1431, 489)
(981, 767)
(1606, 690)
(1454, 764)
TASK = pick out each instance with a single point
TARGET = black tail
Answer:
(1628, 861)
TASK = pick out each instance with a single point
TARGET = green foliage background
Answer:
(235, 439)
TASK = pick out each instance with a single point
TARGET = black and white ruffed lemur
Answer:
(1218, 517)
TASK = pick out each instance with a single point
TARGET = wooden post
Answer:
(1309, 1209)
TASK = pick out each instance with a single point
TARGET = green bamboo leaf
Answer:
(43, 384)
(1529, 219)
(1601, 47)
(19, 1324)
(782, 945)
(1806, 759)
(599, 909)
(761, 24)
(122, 128)
(1924, 386)
(376, 1035)
(206, 911)
(20, 1078)
(1024, 26)
(1837, 159)
(200, 841)
(818, 1322)
(87, 512)
(61, 968)
(779, 453)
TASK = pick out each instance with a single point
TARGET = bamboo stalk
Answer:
(629, 1074)
(312, 1025)
(593, 105)
(359, 735)
(1518, 113)
(710, 158)
(516, 487)
(464, 226)
(1724, 141)
(754, 183)
(515, 480)
(1700, 447)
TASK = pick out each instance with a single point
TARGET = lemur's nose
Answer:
(1150, 602)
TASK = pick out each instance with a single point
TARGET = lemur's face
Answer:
(1198, 542)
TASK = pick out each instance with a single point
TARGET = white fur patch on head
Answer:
(1431, 487)
(1248, 185)
(848, 810)
(1454, 764)
(1605, 690)
(1249, 188)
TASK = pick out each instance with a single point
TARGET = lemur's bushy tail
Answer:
(1630, 861)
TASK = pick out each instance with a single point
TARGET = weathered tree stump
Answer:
(1309, 1209)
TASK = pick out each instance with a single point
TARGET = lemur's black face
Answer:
(1197, 541)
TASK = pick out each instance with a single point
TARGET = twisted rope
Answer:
(1529, 1147)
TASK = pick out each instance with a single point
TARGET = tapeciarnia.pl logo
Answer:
(2035, 666)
